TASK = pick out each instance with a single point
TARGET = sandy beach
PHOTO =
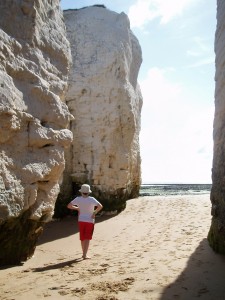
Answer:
(156, 249)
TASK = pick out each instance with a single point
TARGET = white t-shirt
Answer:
(86, 208)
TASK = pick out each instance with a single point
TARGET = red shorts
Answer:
(86, 230)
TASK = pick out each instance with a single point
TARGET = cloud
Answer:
(201, 50)
(203, 62)
(158, 92)
(193, 53)
(176, 133)
(202, 44)
(144, 11)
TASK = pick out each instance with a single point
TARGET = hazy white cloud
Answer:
(203, 62)
(144, 11)
(161, 97)
(200, 47)
(193, 53)
(202, 44)
(176, 137)
(202, 51)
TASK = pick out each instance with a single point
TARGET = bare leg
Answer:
(82, 246)
(85, 246)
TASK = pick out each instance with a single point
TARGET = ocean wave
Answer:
(174, 189)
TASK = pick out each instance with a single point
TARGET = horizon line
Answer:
(176, 183)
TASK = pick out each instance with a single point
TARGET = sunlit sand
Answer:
(155, 249)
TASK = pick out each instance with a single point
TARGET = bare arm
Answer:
(73, 207)
(99, 207)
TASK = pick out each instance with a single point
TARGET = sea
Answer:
(174, 189)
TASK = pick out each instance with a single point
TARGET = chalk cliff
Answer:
(34, 64)
(216, 234)
(105, 99)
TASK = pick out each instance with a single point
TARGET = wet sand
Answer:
(156, 249)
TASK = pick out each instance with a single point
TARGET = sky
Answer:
(177, 83)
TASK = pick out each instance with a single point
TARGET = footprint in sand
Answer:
(80, 291)
(113, 286)
(97, 271)
(104, 265)
(202, 291)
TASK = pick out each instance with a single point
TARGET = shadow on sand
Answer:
(203, 277)
(58, 229)
(58, 265)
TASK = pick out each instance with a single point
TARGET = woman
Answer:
(87, 208)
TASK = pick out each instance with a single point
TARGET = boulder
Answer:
(34, 64)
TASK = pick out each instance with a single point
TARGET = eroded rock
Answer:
(34, 64)
(105, 99)
(216, 234)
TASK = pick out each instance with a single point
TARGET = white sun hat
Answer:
(85, 188)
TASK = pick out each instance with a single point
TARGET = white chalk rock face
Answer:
(105, 99)
(34, 63)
